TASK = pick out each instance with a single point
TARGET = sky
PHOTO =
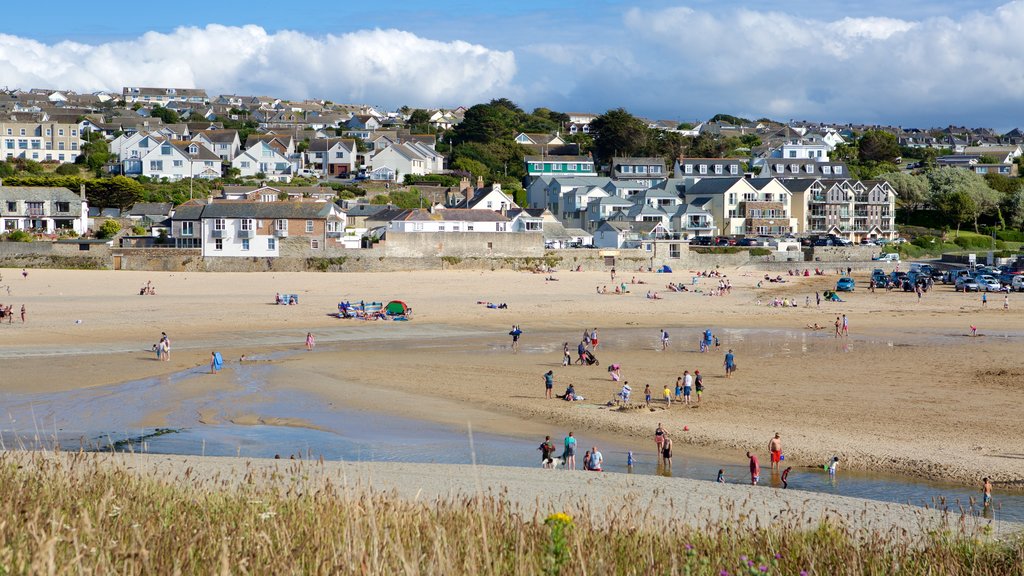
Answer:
(915, 63)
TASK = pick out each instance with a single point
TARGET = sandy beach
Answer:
(909, 391)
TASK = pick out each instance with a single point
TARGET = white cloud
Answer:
(388, 67)
(687, 61)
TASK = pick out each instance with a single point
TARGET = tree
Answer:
(485, 123)
(878, 146)
(729, 119)
(6, 170)
(108, 229)
(117, 192)
(618, 133)
(911, 190)
(166, 114)
(419, 116)
(474, 167)
(1012, 207)
(955, 191)
(1001, 183)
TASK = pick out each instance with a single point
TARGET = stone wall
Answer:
(53, 255)
(843, 253)
(160, 259)
(463, 245)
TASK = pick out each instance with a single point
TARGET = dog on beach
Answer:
(553, 462)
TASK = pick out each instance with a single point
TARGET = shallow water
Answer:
(99, 418)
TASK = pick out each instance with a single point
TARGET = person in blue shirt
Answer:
(730, 364)
(549, 383)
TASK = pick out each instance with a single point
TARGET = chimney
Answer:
(479, 182)
(81, 191)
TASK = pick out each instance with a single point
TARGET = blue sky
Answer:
(914, 62)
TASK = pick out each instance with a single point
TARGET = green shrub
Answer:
(1004, 254)
(760, 251)
(109, 229)
(969, 242)
(1010, 235)
(138, 230)
(68, 170)
(18, 236)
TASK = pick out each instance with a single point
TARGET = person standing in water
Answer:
(310, 341)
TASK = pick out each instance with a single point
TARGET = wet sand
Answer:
(909, 392)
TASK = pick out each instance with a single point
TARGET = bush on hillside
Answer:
(18, 236)
(68, 170)
(109, 229)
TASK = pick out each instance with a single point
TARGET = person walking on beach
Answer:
(647, 395)
(566, 358)
(23, 311)
(659, 438)
(666, 453)
(668, 396)
(549, 383)
(593, 339)
(1006, 306)
(546, 450)
(730, 363)
(216, 362)
(775, 449)
(698, 384)
(755, 469)
(596, 459)
(986, 488)
(515, 333)
(310, 341)
(664, 340)
(837, 326)
(569, 455)
(817, 299)
(984, 300)
(165, 347)
(846, 326)
(687, 386)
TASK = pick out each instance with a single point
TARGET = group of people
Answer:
(8, 313)
(289, 299)
(163, 348)
(619, 289)
(148, 289)
(593, 460)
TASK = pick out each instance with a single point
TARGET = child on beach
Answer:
(785, 476)
(987, 490)
(668, 395)
(721, 476)
(310, 341)
(216, 362)
(647, 395)
(831, 466)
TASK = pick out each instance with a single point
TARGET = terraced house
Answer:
(42, 209)
(851, 209)
(40, 141)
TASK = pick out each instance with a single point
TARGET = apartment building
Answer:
(40, 141)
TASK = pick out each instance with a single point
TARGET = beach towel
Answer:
(218, 361)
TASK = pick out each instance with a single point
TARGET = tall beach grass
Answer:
(79, 515)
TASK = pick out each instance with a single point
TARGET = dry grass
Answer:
(76, 515)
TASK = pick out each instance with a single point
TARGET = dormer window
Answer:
(734, 169)
(193, 149)
(718, 168)
(688, 169)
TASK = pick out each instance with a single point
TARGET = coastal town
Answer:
(319, 181)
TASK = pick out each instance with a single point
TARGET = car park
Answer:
(845, 284)
(880, 278)
(702, 241)
(988, 283)
(967, 284)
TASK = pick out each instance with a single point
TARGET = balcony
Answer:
(218, 233)
(334, 234)
(280, 233)
(247, 234)
(35, 212)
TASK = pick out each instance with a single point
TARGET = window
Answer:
(156, 165)
(245, 244)
(626, 169)
(838, 170)
(641, 169)
(572, 167)
(178, 163)
(48, 131)
(732, 197)
(23, 145)
(63, 207)
(792, 153)
(469, 227)
(247, 224)
(794, 168)
(60, 132)
(780, 168)
(187, 228)
(219, 224)
(271, 243)
(74, 132)
(440, 227)
(703, 168)
(218, 244)
(688, 169)
(309, 226)
(165, 149)
(314, 244)
(12, 206)
(826, 169)
(245, 164)
(536, 167)
(339, 155)
(22, 132)
(36, 144)
(768, 197)
(718, 168)
(734, 169)
(655, 169)
(9, 143)
(809, 168)
(49, 146)
(281, 225)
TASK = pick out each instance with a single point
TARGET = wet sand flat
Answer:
(908, 392)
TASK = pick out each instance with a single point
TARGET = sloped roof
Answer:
(713, 185)
(454, 215)
(151, 209)
(268, 210)
(38, 194)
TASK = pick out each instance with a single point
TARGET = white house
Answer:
(262, 158)
(450, 220)
(337, 155)
(493, 198)
(223, 143)
(43, 209)
(178, 161)
(401, 158)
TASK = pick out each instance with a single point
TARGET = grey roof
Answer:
(712, 185)
(695, 206)
(656, 193)
(630, 226)
(760, 183)
(367, 209)
(189, 211)
(387, 215)
(454, 215)
(576, 159)
(324, 144)
(645, 210)
(646, 161)
(797, 185)
(611, 201)
(38, 194)
(268, 210)
(151, 209)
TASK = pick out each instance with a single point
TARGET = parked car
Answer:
(988, 283)
(702, 241)
(1017, 283)
(867, 242)
(900, 241)
(966, 284)
(887, 257)
(882, 241)
(308, 173)
(845, 284)
(898, 278)
(724, 241)
(880, 278)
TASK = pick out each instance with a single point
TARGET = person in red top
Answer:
(755, 469)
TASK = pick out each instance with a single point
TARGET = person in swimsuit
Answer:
(721, 476)
(775, 449)
(987, 490)
(566, 358)
(593, 339)
(659, 438)
(785, 476)
(647, 395)
(310, 341)
(755, 469)
(666, 452)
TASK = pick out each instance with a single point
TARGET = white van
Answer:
(888, 257)
(308, 173)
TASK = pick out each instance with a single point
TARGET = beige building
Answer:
(40, 141)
